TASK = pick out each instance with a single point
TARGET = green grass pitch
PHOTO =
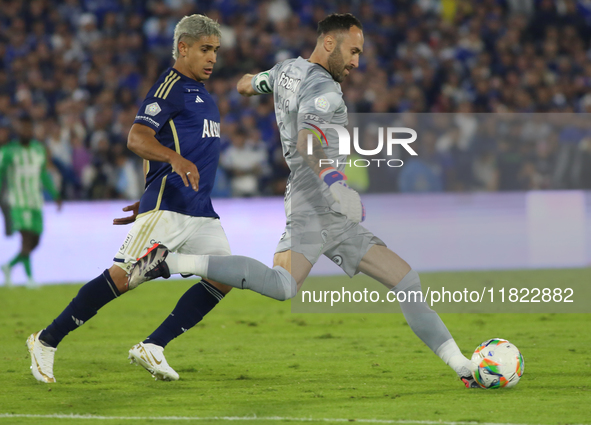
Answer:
(253, 360)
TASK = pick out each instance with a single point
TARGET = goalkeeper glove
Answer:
(349, 200)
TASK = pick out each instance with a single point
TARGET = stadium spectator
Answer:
(89, 63)
(423, 173)
(245, 162)
(129, 184)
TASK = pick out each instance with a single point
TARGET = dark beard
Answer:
(336, 65)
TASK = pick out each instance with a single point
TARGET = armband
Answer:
(261, 83)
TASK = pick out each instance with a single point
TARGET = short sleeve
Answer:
(318, 103)
(155, 112)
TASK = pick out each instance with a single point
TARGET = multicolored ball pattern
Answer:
(497, 364)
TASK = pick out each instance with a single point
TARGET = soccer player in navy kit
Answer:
(177, 133)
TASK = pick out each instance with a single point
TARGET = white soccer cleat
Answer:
(151, 357)
(6, 271)
(41, 359)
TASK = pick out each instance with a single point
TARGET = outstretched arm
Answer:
(244, 86)
(251, 85)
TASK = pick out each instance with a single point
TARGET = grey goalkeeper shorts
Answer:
(330, 233)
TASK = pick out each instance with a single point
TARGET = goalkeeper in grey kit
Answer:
(323, 213)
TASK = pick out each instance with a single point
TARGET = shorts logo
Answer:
(283, 236)
(324, 235)
(321, 103)
(152, 109)
(127, 241)
(338, 260)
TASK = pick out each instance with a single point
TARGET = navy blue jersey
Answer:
(186, 120)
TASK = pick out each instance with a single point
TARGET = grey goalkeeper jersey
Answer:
(306, 96)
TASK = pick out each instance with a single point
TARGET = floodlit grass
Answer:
(253, 357)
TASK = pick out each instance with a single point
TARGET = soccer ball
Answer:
(498, 364)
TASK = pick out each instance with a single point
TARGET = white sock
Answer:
(452, 356)
(189, 264)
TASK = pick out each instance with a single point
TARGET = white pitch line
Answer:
(246, 418)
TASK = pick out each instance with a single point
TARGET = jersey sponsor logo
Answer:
(316, 118)
(288, 83)
(148, 119)
(211, 128)
(282, 104)
(152, 109)
(321, 103)
(199, 100)
(191, 90)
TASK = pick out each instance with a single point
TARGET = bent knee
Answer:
(286, 282)
(285, 298)
(119, 277)
(224, 289)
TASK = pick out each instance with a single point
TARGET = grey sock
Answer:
(428, 326)
(247, 273)
(424, 322)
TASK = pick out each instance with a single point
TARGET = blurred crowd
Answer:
(81, 68)
(462, 152)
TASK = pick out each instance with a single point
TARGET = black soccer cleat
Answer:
(470, 382)
(149, 267)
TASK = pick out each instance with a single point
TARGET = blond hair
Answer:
(191, 28)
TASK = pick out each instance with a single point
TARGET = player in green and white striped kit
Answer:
(23, 163)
